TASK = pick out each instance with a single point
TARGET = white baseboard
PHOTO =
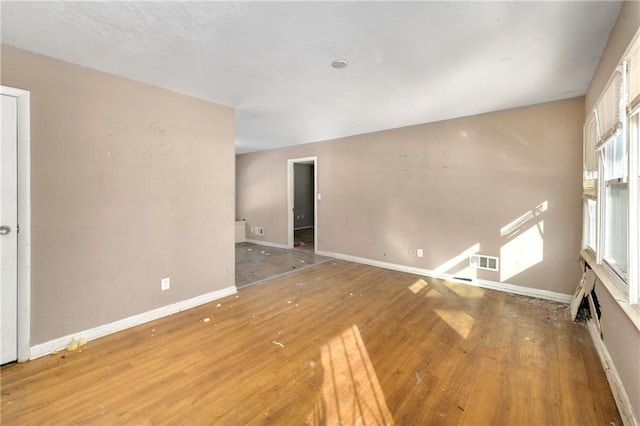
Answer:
(615, 382)
(493, 285)
(267, 243)
(106, 329)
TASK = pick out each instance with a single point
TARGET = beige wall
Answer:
(442, 187)
(130, 184)
(621, 337)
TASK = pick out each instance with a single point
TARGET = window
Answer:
(613, 193)
(634, 207)
(611, 177)
(616, 205)
(590, 223)
(589, 183)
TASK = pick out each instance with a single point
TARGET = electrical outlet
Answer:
(420, 253)
(165, 284)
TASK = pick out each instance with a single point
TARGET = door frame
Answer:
(291, 195)
(24, 220)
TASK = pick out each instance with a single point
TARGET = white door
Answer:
(8, 230)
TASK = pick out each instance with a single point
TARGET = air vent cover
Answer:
(479, 261)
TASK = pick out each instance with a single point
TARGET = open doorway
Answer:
(302, 204)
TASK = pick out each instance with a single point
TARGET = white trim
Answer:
(267, 243)
(633, 231)
(290, 200)
(615, 381)
(135, 320)
(24, 219)
(492, 285)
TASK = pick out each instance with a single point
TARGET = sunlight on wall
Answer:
(513, 227)
(466, 291)
(525, 249)
(462, 257)
(460, 321)
(351, 393)
(467, 272)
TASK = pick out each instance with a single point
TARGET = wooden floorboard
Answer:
(336, 343)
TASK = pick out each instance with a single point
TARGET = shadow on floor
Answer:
(256, 263)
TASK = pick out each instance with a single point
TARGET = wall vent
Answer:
(479, 261)
(259, 230)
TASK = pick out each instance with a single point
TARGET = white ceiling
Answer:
(409, 62)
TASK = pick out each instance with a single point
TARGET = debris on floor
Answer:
(418, 378)
(73, 345)
(207, 319)
(82, 341)
(277, 343)
(249, 249)
(301, 261)
(218, 305)
(289, 302)
(299, 285)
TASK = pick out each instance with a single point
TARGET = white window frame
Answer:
(633, 146)
(628, 284)
(621, 275)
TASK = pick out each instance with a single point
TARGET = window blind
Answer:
(590, 157)
(633, 78)
(609, 110)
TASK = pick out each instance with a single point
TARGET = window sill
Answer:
(608, 281)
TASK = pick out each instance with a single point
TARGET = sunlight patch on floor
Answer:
(417, 286)
(350, 393)
(460, 321)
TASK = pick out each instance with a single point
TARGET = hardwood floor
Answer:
(336, 343)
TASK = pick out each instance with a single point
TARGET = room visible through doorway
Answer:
(303, 204)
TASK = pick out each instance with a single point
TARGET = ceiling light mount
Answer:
(339, 63)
